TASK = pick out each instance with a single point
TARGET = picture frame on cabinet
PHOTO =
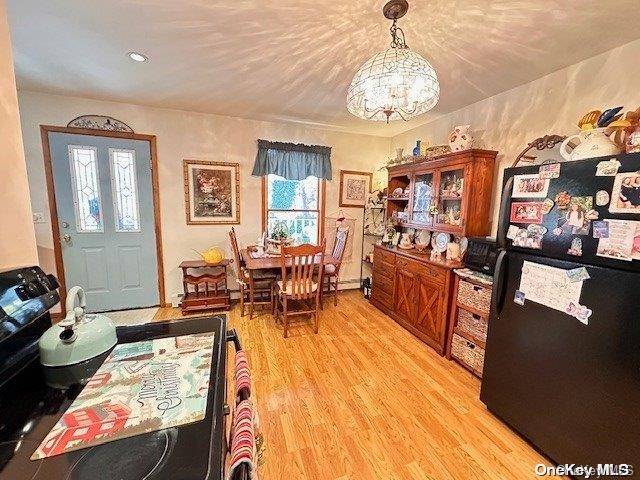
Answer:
(355, 188)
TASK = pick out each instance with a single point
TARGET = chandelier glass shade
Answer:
(396, 84)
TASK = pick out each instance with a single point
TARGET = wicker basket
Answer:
(473, 324)
(468, 353)
(474, 296)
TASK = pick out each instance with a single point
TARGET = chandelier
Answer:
(396, 83)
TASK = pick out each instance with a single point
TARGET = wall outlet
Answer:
(38, 217)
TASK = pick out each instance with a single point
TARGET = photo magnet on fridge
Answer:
(549, 171)
(581, 312)
(625, 196)
(601, 229)
(526, 212)
(547, 206)
(512, 232)
(602, 198)
(529, 186)
(519, 298)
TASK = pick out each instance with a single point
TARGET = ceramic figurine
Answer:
(589, 120)
(405, 241)
(460, 138)
(608, 116)
(416, 149)
(593, 143)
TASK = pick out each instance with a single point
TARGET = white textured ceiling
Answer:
(294, 59)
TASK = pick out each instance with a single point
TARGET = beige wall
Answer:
(17, 242)
(553, 104)
(183, 135)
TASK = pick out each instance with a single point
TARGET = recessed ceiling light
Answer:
(137, 57)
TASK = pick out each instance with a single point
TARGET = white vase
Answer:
(460, 138)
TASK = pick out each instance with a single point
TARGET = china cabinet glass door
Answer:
(451, 196)
(422, 198)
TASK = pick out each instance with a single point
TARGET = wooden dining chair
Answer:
(299, 266)
(255, 289)
(332, 270)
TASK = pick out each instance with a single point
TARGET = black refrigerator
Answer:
(562, 363)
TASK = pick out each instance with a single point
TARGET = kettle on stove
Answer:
(79, 336)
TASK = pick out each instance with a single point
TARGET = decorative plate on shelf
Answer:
(398, 192)
(440, 241)
(464, 243)
(424, 237)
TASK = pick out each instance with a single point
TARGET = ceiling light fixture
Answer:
(396, 83)
(137, 57)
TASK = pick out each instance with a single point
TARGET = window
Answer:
(294, 205)
(124, 188)
(86, 189)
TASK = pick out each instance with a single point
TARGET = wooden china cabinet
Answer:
(451, 193)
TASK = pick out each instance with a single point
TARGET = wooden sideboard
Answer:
(415, 291)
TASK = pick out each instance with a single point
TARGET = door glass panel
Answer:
(124, 189)
(451, 193)
(86, 189)
(422, 196)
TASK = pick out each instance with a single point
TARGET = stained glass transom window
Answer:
(86, 189)
(124, 188)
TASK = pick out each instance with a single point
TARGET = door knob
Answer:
(65, 225)
(66, 238)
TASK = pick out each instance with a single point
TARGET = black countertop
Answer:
(33, 400)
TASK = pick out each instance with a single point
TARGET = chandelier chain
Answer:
(397, 36)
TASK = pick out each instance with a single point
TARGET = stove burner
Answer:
(136, 458)
(27, 469)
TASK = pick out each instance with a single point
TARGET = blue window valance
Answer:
(292, 161)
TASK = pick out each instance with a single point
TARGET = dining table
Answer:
(265, 262)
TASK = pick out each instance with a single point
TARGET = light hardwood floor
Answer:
(364, 399)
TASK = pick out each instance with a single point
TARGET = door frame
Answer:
(53, 209)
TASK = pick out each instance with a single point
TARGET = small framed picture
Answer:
(527, 212)
(211, 192)
(355, 188)
(530, 186)
(625, 197)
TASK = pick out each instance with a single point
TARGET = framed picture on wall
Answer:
(211, 192)
(355, 187)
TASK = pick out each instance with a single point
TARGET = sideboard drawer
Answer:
(383, 282)
(382, 255)
(379, 295)
(428, 272)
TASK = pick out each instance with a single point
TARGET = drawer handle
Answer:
(471, 345)
(476, 316)
(477, 288)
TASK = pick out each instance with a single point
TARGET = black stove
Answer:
(33, 398)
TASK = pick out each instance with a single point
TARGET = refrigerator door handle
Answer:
(498, 284)
(505, 214)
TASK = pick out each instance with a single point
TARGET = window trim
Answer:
(74, 187)
(322, 188)
(114, 192)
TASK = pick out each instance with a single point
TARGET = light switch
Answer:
(38, 217)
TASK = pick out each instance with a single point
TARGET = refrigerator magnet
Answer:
(563, 199)
(512, 232)
(625, 196)
(578, 274)
(527, 238)
(581, 312)
(608, 168)
(576, 247)
(519, 298)
(526, 212)
(547, 206)
(549, 171)
(529, 186)
(601, 229)
(602, 198)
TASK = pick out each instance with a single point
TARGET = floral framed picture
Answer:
(211, 192)
(355, 187)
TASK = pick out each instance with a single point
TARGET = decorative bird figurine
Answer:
(589, 120)
(608, 116)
